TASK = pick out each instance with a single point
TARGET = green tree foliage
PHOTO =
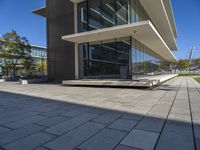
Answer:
(41, 67)
(196, 63)
(14, 50)
(183, 64)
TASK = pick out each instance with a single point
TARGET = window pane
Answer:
(82, 17)
(107, 13)
(94, 15)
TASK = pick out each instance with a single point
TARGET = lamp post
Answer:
(190, 57)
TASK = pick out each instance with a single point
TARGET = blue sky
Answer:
(16, 14)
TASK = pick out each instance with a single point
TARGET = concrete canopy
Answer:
(144, 32)
(40, 11)
(162, 17)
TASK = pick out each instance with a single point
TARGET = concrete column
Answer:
(76, 45)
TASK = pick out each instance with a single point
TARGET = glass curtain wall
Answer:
(145, 62)
(122, 58)
(106, 59)
(97, 14)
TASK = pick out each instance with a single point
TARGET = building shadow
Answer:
(152, 128)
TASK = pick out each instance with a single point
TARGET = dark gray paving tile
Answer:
(107, 139)
(75, 137)
(70, 124)
(76, 112)
(176, 137)
(29, 142)
(43, 109)
(54, 113)
(13, 135)
(20, 123)
(141, 139)
(124, 147)
(123, 124)
(15, 113)
(136, 117)
(99, 111)
(16, 117)
(197, 131)
(151, 124)
(108, 117)
(197, 144)
(3, 129)
(52, 121)
(41, 148)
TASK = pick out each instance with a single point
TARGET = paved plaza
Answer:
(56, 117)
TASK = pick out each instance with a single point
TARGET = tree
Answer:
(41, 67)
(183, 64)
(14, 48)
(28, 64)
(196, 63)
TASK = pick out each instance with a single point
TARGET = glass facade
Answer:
(123, 58)
(106, 59)
(98, 14)
(38, 52)
(144, 61)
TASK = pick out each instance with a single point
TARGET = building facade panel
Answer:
(61, 65)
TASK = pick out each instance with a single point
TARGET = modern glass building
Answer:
(111, 39)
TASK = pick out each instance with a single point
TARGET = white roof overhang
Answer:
(160, 16)
(40, 11)
(144, 32)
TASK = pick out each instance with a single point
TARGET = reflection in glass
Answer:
(107, 59)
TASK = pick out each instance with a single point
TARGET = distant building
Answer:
(38, 53)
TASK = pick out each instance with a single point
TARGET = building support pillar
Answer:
(76, 45)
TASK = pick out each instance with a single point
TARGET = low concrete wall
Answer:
(2, 80)
(143, 82)
(32, 81)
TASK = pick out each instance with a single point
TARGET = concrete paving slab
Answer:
(197, 131)
(123, 147)
(30, 142)
(108, 117)
(16, 117)
(198, 144)
(107, 139)
(70, 124)
(41, 148)
(75, 137)
(123, 124)
(179, 119)
(149, 123)
(76, 112)
(52, 121)
(132, 116)
(141, 139)
(3, 129)
(107, 107)
(176, 137)
(21, 123)
(53, 113)
(11, 136)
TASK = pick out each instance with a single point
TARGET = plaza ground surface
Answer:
(55, 117)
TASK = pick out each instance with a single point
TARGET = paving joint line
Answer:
(179, 81)
(191, 115)
(140, 121)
